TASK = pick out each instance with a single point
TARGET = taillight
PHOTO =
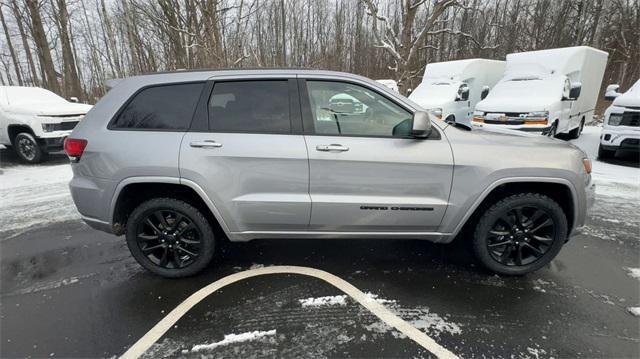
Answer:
(74, 148)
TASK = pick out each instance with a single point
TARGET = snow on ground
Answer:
(34, 196)
(324, 301)
(234, 338)
(634, 311)
(633, 272)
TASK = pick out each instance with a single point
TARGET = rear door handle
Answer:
(332, 148)
(205, 144)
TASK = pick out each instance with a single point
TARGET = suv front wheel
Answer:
(170, 238)
(520, 234)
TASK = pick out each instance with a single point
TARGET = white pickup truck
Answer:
(621, 129)
(35, 121)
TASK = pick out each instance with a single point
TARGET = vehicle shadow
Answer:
(8, 158)
(624, 158)
(345, 256)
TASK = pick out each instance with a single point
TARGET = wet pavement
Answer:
(69, 291)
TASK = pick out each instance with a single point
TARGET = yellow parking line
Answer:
(373, 306)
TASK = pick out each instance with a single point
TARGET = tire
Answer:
(28, 149)
(575, 133)
(604, 154)
(553, 131)
(155, 244)
(496, 246)
(451, 119)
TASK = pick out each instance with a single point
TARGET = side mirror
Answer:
(574, 91)
(576, 88)
(74, 99)
(421, 125)
(611, 92)
(485, 92)
(463, 93)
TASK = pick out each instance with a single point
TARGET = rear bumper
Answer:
(92, 197)
(98, 224)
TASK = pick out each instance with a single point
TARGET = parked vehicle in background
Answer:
(451, 89)
(392, 84)
(621, 127)
(550, 91)
(35, 121)
(170, 159)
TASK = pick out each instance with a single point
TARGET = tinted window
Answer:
(161, 107)
(250, 106)
(340, 108)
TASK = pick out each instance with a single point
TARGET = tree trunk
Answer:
(12, 51)
(42, 47)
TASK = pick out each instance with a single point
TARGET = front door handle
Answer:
(332, 148)
(205, 144)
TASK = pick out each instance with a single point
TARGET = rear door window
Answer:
(250, 107)
(165, 107)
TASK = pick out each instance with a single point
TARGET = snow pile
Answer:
(234, 338)
(35, 196)
(634, 311)
(633, 272)
(422, 319)
(340, 300)
(324, 301)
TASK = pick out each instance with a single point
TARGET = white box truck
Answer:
(451, 89)
(621, 128)
(550, 91)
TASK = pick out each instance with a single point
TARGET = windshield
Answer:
(432, 92)
(31, 95)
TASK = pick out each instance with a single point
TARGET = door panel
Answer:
(252, 161)
(379, 184)
(366, 173)
(245, 178)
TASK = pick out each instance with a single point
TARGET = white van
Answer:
(621, 128)
(35, 121)
(451, 89)
(392, 84)
(550, 91)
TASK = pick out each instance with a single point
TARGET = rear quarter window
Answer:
(163, 107)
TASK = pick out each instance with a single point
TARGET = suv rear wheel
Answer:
(27, 148)
(520, 234)
(170, 238)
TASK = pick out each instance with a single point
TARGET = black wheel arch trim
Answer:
(514, 180)
(118, 228)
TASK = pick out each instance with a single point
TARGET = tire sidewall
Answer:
(207, 240)
(488, 220)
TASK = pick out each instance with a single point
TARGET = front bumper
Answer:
(524, 128)
(590, 199)
(620, 138)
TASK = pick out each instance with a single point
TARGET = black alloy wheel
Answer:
(521, 236)
(170, 237)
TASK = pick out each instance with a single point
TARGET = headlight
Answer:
(615, 119)
(478, 117)
(49, 127)
(538, 114)
(437, 112)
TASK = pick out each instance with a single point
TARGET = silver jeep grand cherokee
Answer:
(170, 159)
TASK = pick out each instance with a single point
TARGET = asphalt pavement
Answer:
(69, 291)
